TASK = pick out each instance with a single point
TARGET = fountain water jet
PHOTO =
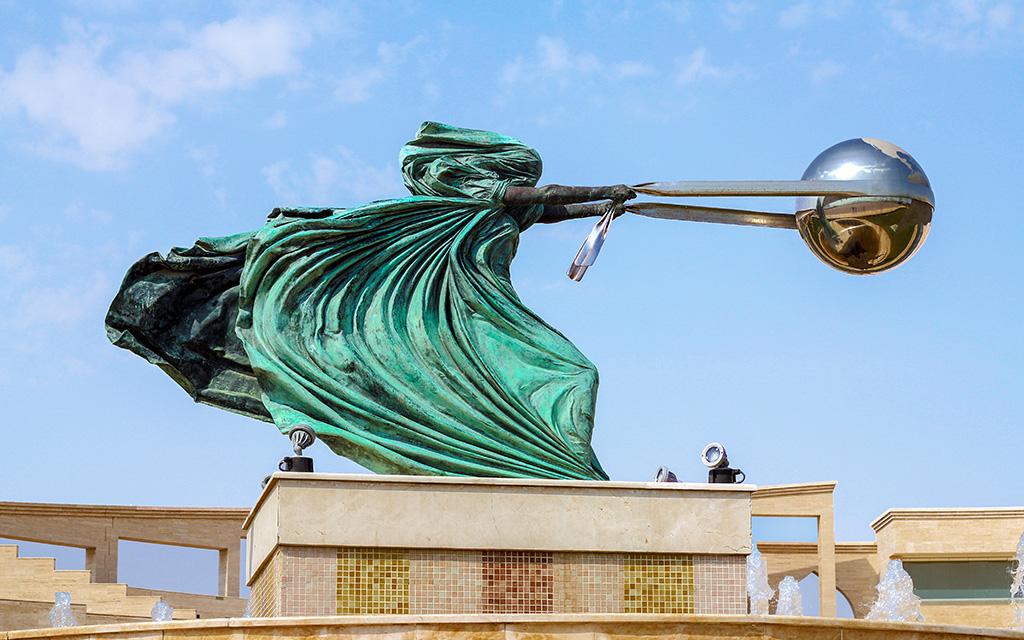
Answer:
(61, 614)
(162, 611)
(790, 602)
(1017, 587)
(758, 589)
(896, 600)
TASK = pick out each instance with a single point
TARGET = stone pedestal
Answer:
(325, 544)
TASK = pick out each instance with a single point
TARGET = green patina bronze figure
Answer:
(392, 328)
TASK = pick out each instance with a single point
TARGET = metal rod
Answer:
(875, 188)
(694, 213)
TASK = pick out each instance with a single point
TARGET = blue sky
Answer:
(128, 127)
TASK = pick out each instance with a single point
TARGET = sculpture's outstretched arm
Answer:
(560, 212)
(567, 203)
(557, 194)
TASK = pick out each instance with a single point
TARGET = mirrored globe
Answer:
(864, 235)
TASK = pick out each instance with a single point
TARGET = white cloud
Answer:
(432, 91)
(797, 15)
(554, 58)
(95, 106)
(355, 86)
(735, 14)
(89, 115)
(960, 25)
(76, 213)
(277, 121)
(61, 306)
(1002, 16)
(205, 159)
(106, 6)
(603, 14)
(680, 11)
(553, 62)
(14, 264)
(803, 14)
(696, 67)
(826, 69)
(56, 289)
(633, 70)
(326, 181)
(219, 57)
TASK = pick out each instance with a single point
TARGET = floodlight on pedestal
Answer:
(717, 462)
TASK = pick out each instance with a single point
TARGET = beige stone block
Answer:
(470, 631)
(261, 532)
(415, 512)
(125, 631)
(718, 629)
(341, 632)
(980, 533)
(646, 631)
(971, 614)
(551, 631)
(202, 633)
(795, 629)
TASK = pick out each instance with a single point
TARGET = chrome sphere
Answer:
(862, 234)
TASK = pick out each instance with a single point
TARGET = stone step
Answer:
(36, 580)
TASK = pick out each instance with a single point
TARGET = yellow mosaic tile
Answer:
(657, 583)
(373, 581)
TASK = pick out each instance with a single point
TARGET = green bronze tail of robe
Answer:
(394, 331)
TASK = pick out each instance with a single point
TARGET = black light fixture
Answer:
(302, 436)
(717, 462)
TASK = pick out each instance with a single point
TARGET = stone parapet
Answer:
(523, 627)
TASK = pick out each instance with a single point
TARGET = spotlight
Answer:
(717, 462)
(714, 456)
(665, 475)
(302, 436)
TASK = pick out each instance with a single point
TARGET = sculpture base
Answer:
(324, 544)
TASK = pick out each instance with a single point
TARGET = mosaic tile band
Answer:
(310, 581)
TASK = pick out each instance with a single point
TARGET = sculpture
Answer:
(392, 328)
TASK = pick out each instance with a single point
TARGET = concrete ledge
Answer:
(522, 627)
(416, 512)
